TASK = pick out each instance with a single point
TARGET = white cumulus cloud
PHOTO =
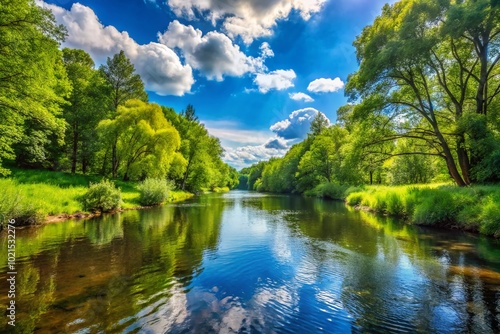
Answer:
(159, 66)
(213, 54)
(297, 125)
(325, 85)
(301, 96)
(279, 80)
(249, 19)
(248, 155)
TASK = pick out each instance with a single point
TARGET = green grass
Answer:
(29, 196)
(475, 208)
(179, 196)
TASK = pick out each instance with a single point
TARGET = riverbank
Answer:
(474, 208)
(34, 197)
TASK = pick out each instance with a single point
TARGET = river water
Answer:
(244, 262)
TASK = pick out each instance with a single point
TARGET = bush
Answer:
(153, 191)
(437, 207)
(490, 217)
(354, 198)
(102, 197)
(394, 206)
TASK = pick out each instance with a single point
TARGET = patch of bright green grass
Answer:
(30, 195)
(473, 208)
(178, 196)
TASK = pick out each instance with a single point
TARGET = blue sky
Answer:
(256, 71)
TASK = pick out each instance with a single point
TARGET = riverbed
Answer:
(245, 262)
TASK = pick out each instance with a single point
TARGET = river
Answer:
(244, 262)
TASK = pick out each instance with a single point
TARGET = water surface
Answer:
(245, 262)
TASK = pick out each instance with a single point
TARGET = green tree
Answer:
(318, 124)
(324, 161)
(86, 107)
(411, 168)
(432, 67)
(125, 85)
(146, 141)
(32, 82)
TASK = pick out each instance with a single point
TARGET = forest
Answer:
(423, 108)
(59, 112)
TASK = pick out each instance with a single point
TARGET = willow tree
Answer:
(145, 141)
(432, 68)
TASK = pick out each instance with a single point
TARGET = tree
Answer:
(86, 107)
(146, 141)
(324, 161)
(318, 124)
(32, 81)
(125, 85)
(421, 66)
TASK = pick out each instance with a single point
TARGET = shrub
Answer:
(378, 203)
(153, 191)
(490, 217)
(354, 198)
(437, 207)
(102, 197)
(394, 204)
(353, 189)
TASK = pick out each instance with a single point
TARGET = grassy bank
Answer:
(475, 208)
(29, 196)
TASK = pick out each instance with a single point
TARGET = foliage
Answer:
(102, 197)
(328, 190)
(145, 140)
(431, 67)
(124, 85)
(474, 208)
(153, 191)
(242, 182)
(86, 107)
(33, 84)
(202, 166)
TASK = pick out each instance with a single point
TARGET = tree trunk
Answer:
(103, 169)
(74, 153)
(186, 175)
(85, 164)
(450, 162)
(463, 160)
(482, 87)
(114, 161)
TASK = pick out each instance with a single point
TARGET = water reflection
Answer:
(246, 262)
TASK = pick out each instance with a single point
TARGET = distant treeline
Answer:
(59, 112)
